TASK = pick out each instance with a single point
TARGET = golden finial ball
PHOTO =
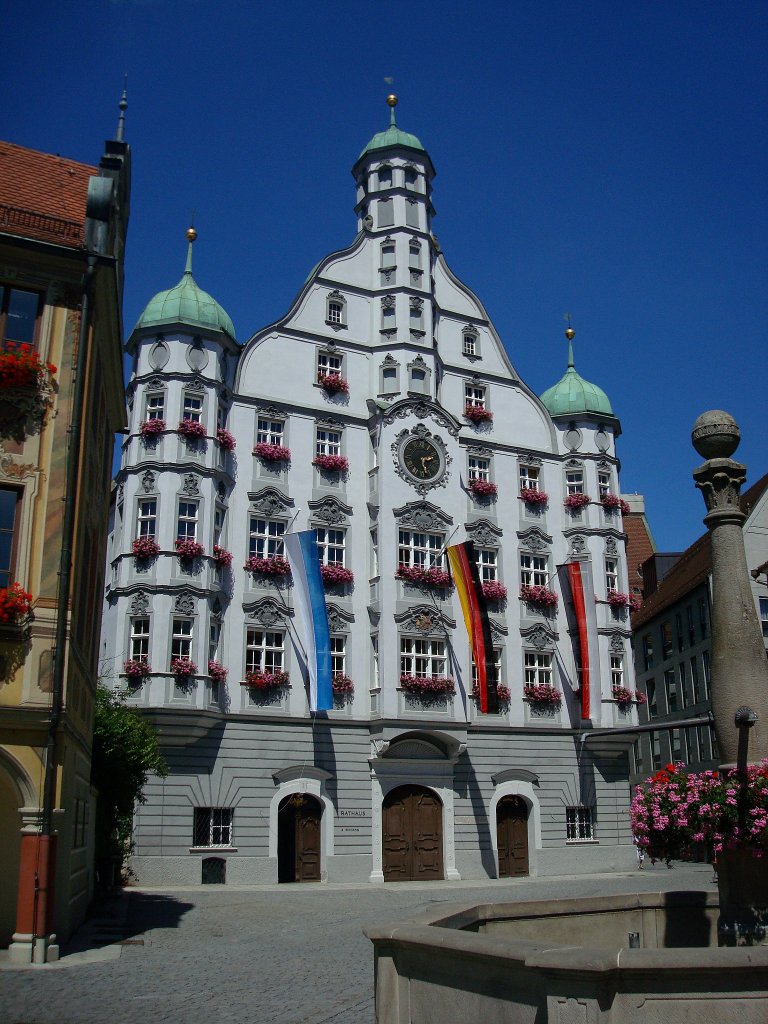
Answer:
(191, 234)
(570, 333)
(392, 100)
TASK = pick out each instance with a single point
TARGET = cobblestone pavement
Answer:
(268, 955)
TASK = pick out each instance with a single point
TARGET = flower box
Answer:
(136, 668)
(274, 566)
(617, 599)
(331, 463)
(342, 684)
(191, 429)
(20, 367)
(541, 596)
(622, 696)
(427, 686)
(435, 578)
(334, 383)
(152, 428)
(225, 440)
(640, 698)
(611, 502)
(272, 452)
(483, 488)
(543, 694)
(183, 668)
(146, 547)
(477, 414)
(222, 557)
(260, 680)
(502, 691)
(532, 497)
(576, 501)
(336, 574)
(15, 603)
(494, 591)
(217, 672)
(189, 549)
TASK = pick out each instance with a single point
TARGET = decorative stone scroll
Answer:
(185, 604)
(425, 619)
(191, 484)
(534, 539)
(270, 502)
(339, 620)
(140, 603)
(539, 636)
(330, 510)
(483, 534)
(269, 612)
(421, 408)
(148, 482)
(422, 515)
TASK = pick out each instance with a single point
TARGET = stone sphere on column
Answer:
(715, 435)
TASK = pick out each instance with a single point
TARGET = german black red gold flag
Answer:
(463, 561)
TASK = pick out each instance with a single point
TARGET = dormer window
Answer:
(470, 343)
(336, 309)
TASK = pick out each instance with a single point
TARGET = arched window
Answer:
(336, 309)
(411, 177)
(385, 176)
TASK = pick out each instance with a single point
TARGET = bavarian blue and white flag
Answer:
(311, 615)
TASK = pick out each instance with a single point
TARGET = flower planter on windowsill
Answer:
(543, 698)
(494, 591)
(502, 691)
(616, 599)
(184, 671)
(266, 680)
(222, 557)
(189, 549)
(483, 488)
(217, 672)
(432, 579)
(276, 566)
(612, 503)
(333, 383)
(427, 687)
(336, 574)
(574, 502)
(626, 698)
(536, 499)
(477, 414)
(191, 430)
(150, 430)
(539, 597)
(136, 670)
(225, 440)
(331, 463)
(342, 685)
(145, 547)
(272, 452)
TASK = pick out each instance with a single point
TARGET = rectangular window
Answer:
(219, 515)
(330, 545)
(193, 408)
(420, 550)
(764, 615)
(140, 639)
(385, 210)
(677, 745)
(617, 671)
(578, 823)
(670, 686)
(422, 656)
(10, 502)
(214, 637)
(693, 745)
(707, 677)
(705, 742)
(698, 694)
(650, 692)
(327, 442)
(388, 256)
(685, 696)
(648, 651)
(611, 575)
(187, 520)
(181, 638)
(538, 668)
(689, 624)
(146, 525)
(265, 537)
(638, 758)
(469, 344)
(603, 484)
(388, 322)
(574, 481)
(533, 571)
(479, 469)
(475, 395)
(666, 640)
(335, 313)
(269, 431)
(703, 618)
(19, 315)
(679, 631)
(154, 405)
(264, 650)
(412, 214)
(414, 256)
(529, 477)
(497, 663)
(328, 364)
(417, 321)
(339, 655)
(213, 826)
(488, 564)
(656, 749)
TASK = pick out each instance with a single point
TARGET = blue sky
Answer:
(605, 159)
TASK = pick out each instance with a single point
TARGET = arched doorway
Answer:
(412, 835)
(298, 838)
(512, 836)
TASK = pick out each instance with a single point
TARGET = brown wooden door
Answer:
(512, 836)
(412, 838)
(298, 839)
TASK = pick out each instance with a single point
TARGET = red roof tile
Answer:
(43, 196)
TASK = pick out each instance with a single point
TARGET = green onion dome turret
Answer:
(574, 396)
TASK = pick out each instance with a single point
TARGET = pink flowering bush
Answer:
(483, 488)
(274, 566)
(182, 668)
(217, 672)
(477, 414)
(576, 501)
(342, 684)
(146, 547)
(611, 502)
(222, 557)
(333, 383)
(427, 686)
(191, 428)
(226, 440)
(332, 463)
(151, 428)
(675, 811)
(263, 680)
(532, 497)
(272, 452)
(434, 577)
(543, 693)
(336, 574)
(502, 691)
(137, 668)
(494, 591)
(188, 548)
(623, 696)
(541, 596)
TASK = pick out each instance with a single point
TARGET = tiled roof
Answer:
(43, 196)
(692, 568)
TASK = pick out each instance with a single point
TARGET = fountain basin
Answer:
(568, 962)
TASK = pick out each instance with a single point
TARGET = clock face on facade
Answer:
(422, 459)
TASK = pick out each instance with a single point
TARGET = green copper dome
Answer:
(186, 303)
(393, 136)
(574, 396)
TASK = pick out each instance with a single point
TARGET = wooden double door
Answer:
(298, 839)
(412, 835)
(512, 836)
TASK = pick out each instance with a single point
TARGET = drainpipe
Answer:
(44, 885)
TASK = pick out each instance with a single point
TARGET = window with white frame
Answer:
(579, 823)
(414, 256)
(617, 671)
(193, 408)
(327, 442)
(264, 650)
(534, 571)
(265, 537)
(603, 483)
(140, 638)
(213, 826)
(186, 528)
(214, 638)
(181, 638)
(611, 575)
(269, 431)
(336, 309)
(487, 564)
(475, 395)
(219, 515)
(330, 545)
(375, 681)
(221, 416)
(339, 655)
(422, 656)
(529, 477)
(764, 615)
(329, 364)
(420, 550)
(538, 668)
(385, 210)
(574, 481)
(154, 405)
(478, 468)
(146, 525)
(470, 343)
(497, 663)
